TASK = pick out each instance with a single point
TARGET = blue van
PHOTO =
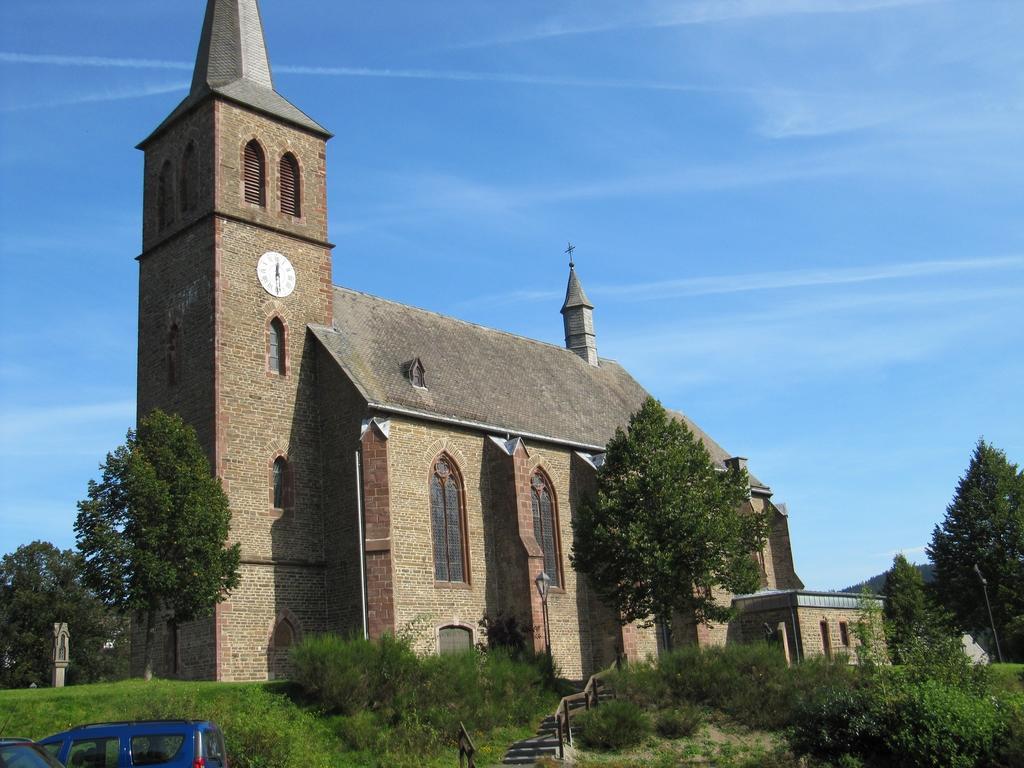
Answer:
(158, 743)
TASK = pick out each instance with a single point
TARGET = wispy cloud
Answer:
(124, 94)
(918, 550)
(765, 281)
(59, 60)
(655, 15)
(463, 76)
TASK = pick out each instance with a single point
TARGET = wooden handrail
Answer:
(467, 750)
(590, 696)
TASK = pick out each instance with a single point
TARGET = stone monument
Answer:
(61, 648)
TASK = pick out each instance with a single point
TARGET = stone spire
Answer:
(232, 63)
(578, 318)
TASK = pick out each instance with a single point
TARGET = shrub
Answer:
(613, 725)
(678, 723)
(505, 631)
(839, 722)
(389, 698)
(939, 726)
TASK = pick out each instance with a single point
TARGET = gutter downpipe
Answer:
(360, 524)
(796, 632)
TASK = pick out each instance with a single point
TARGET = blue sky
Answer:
(800, 220)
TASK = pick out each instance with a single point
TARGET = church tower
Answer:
(235, 265)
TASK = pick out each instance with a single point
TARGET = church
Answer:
(389, 469)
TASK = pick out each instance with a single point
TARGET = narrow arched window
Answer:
(276, 352)
(165, 197)
(173, 349)
(447, 522)
(255, 174)
(281, 483)
(284, 635)
(189, 178)
(291, 189)
(544, 525)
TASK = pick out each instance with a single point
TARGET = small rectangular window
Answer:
(156, 749)
(844, 634)
(826, 641)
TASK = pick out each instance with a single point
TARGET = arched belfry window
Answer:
(291, 188)
(448, 522)
(189, 179)
(545, 527)
(255, 173)
(281, 484)
(165, 197)
(276, 352)
(173, 350)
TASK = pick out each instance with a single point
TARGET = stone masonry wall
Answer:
(423, 605)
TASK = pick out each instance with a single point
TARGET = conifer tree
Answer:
(153, 530)
(666, 526)
(983, 526)
(905, 606)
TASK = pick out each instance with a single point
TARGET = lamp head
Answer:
(977, 570)
(543, 582)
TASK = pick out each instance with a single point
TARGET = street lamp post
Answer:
(984, 586)
(543, 582)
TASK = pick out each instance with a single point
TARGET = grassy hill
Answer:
(263, 724)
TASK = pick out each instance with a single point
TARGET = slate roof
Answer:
(574, 293)
(232, 62)
(494, 380)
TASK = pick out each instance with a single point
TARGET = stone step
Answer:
(528, 751)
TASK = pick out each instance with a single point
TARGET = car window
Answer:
(25, 756)
(93, 753)
(153, 749)
(52, 749)
(213, 746)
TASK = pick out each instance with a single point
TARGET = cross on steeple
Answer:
(570, 250)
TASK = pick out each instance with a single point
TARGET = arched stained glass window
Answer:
(544, 528)
(291, 189)
(276, 353)
(255, 174)
(447, 522)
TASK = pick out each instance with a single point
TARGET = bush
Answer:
(505, 631)
(751, 683)
(839, 722)
(939, 726)
(389, 698)
(678, 723)
(613, 725)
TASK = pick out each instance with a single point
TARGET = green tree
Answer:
(153, 530)
(983, 526)
(39, 586)
(905, 606)
(666, 526)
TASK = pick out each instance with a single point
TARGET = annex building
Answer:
(388, 468)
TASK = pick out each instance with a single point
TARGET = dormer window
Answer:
(416, 373)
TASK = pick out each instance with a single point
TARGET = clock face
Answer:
(276, 273)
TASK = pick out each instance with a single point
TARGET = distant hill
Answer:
(876, 583)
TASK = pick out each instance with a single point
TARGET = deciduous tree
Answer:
(153, 530)
(666, 526)
(39, 586)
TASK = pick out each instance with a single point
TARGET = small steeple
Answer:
(232, 62)
(578, 317)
